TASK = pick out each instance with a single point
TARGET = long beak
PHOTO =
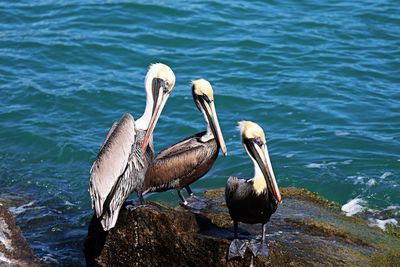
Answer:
(261, 156)
(154, 117)
(214, 124)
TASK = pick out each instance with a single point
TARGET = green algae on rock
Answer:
(390, 259)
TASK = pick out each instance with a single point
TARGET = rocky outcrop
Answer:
(14, 249)
(305, 231)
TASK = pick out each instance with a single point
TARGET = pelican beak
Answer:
(160, 97)
(209, 107)
(260, 154)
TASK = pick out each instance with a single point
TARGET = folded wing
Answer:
(111, 162)
(175, 163)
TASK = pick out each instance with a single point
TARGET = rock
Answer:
(14, 249)
(306, 230)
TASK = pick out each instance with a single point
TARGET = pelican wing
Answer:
(236, 189)
(111, 161)
(231, 187)
(176, 162)
(105, 140)
(113, 126)
(178, 148)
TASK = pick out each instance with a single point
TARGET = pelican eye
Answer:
(205, 97)
(166, 86)
(258, 141)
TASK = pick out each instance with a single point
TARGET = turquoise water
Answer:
(322, 78)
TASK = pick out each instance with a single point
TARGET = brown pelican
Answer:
(121, 164)
(254, 200)
(183, 163)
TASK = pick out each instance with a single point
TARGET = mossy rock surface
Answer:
(306, 230)
(390, 259)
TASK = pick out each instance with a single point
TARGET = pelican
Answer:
(185, 162)
(254, 200)
(121, 164)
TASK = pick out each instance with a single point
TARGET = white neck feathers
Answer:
(144, 121)
(259, 183)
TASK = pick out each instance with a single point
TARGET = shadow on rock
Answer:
(95, 241)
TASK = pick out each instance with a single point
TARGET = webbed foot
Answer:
(193, 198)
(132, 205)
(195, 203)
(237, 248)
(259, 248)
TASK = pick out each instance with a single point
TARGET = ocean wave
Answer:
(382, 223)
(341, 133)
(324, 165)
(314, 165)
(23, 208)
(371, 182)
(49, 259)
(380, 218)
(385, 175)
(354, 206)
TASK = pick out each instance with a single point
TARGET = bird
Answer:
(254, 200)
(127, 150)
(183, 163)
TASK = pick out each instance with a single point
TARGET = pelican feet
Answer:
(132, 204)
(196, 203)
(237, 248)
(258, 248)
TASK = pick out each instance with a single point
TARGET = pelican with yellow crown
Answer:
(127, 151)
(252, 200)
(185, 162)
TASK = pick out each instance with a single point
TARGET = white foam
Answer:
(357, 179)
(347, 162)
(22, 208)
(49, 259)
(382, 223)
(289, 155)
(371, 182)
(354, 206)
(341, 133)
(386, 174)
(67, 203)
(314, 166)
(320, 165)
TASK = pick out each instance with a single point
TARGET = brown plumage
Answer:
(181, 164)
